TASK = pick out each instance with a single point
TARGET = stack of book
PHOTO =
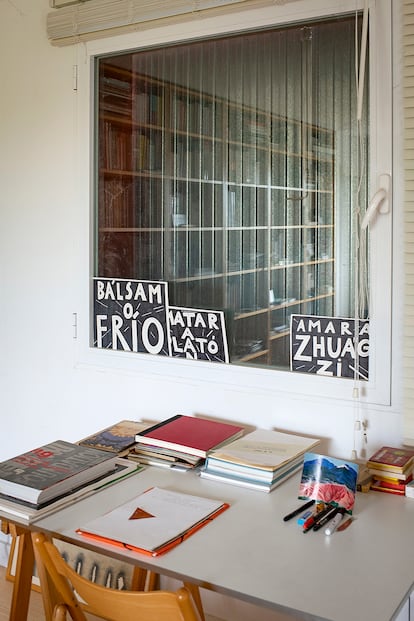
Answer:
(261, 460)
(182, 442)
(391, 469)
(40, 481)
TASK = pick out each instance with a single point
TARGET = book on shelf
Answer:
(29, 512)
(189, 434)
(118, 438)
(392, 459)
(154, 522)
(51, 470)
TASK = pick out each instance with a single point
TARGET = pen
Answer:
(335, 522)
(325, 518)
(314, 519)
(291, 515)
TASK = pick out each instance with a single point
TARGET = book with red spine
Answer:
(392, 459)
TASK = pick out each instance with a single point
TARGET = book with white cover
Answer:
(262, 449)
(243, 481)
(153, 522)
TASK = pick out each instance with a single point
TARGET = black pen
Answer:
(291, 515)
(325, 518)
(314, 519)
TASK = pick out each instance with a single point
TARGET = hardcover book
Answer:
(196, 436)
(393, 477)
(155, 521)
(51, 470)
(392, 459)
(29, 513)
(380, 485)
(118, 438)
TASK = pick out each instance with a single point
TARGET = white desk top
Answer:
(361, 574)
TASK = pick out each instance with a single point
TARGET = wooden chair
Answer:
(68, 593)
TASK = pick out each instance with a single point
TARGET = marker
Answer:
(291, 515)
(335, 522)
(314, 519)
(304, 517)
(325, 518)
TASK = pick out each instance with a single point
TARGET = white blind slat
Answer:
(86, 20)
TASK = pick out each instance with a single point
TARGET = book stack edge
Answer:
(391, 469)
(182, 442)
(261, 460)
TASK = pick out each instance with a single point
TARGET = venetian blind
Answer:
(408, 49)
(99, 18)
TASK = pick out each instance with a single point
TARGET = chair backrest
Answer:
(75, 593)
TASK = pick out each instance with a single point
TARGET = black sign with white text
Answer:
(329, 346)
(131, 315)
(198, 334)
(134, 316)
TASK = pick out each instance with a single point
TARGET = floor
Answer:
(35, 607)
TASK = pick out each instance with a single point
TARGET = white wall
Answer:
(45, 392)
(46, 389)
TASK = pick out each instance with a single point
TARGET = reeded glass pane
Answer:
(230, 169)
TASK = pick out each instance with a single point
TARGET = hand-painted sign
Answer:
(134, 315)
(131, 315)
(329, 346)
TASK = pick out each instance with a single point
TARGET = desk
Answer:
(364, 573)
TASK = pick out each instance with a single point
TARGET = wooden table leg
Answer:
(195, 592)
(23, 579)
(144, 580)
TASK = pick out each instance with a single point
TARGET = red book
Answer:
(387, 490)
(386, 485)
(196, 436)
(391, 459)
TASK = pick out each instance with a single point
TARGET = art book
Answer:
(153, 522)
(193, 435)
(265, 450)
(118, 438)
(392, 459)
(51, 470)
(29, 513)
(329, 480)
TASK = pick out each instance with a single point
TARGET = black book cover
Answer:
(50, 470)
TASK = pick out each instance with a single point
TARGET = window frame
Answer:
(378, 389)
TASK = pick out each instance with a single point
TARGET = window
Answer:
(231, 167)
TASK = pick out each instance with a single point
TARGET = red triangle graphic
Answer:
(139, 514)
